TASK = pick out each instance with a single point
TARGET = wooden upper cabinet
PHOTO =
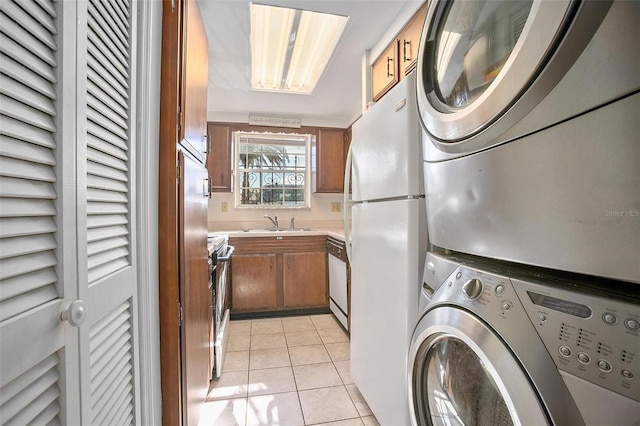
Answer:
(330, 160)
(384, 72)
(219, 158)
(409, 40)
(194, 78)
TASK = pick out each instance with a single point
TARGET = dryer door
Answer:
(462, 373)
(478, 61)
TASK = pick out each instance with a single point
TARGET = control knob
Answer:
(472, 289)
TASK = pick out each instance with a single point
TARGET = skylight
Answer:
(290, 48)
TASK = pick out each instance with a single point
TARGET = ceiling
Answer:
(337, 96)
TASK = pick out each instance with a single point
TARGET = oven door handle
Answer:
(227, 256)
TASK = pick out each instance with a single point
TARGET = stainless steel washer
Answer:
(499, 346)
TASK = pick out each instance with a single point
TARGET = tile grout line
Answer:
(297, 390)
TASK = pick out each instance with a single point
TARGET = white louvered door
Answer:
(106, 213)
(67, 212)
(33, 340)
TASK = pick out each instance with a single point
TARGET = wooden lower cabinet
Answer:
(305, 280)
(255, 280)
(278, 273)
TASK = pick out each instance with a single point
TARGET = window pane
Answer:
(250, 196)
(294, 180)
(294, 196)
(272, 196)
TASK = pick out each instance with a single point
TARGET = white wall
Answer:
(239, 117)
(318, 216)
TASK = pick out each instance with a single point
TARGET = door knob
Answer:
(75, 314)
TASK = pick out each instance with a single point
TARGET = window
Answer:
(272, 170)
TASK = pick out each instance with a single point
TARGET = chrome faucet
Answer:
(293, 225)
(273, 220)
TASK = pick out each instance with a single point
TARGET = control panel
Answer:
(489, 295)
(587, 335)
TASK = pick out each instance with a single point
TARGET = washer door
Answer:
(461, 373)
(478, 61)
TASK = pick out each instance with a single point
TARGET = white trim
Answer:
(147, 134)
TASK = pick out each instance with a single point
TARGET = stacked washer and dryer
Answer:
(530, 302)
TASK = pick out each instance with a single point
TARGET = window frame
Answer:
(237, 136)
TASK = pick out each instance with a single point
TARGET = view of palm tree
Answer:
(272, 170)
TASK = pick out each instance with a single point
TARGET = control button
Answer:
(472, 289)
(604, 365)
(565, 351)
(458, 275)
(499, 289)
(632, 324)
(627, 374)
(584, 358)
(542, 318)
(506, 305)
(609, 318)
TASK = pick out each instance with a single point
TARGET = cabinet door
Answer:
(305, 280)
(194, 292)
(409, 40)
(219, 158)
(193, 118)
(384, 72)
(253, 282)
(331, 160)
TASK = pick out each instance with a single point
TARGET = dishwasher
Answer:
(338, 281)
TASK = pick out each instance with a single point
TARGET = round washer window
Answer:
(453, 387)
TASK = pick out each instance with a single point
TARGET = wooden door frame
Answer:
(168, 256)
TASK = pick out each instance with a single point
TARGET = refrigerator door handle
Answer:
(346, 209)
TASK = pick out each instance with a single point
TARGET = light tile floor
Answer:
(290, 371)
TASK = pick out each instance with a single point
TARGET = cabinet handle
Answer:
(404, 50)
(270, 263)
(206, 188)
(389, 74)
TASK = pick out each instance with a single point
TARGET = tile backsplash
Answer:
(321, 215)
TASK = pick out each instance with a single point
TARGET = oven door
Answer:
(221, 316)
(462, 373)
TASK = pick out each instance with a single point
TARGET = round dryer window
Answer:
(483, 65)
(474, 42)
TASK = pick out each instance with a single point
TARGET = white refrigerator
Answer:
(389, 241)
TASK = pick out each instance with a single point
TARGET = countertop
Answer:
(337, 233)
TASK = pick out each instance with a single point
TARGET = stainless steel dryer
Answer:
(530, 115)
(496, 346)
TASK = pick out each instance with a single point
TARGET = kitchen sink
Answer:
(279, 230)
